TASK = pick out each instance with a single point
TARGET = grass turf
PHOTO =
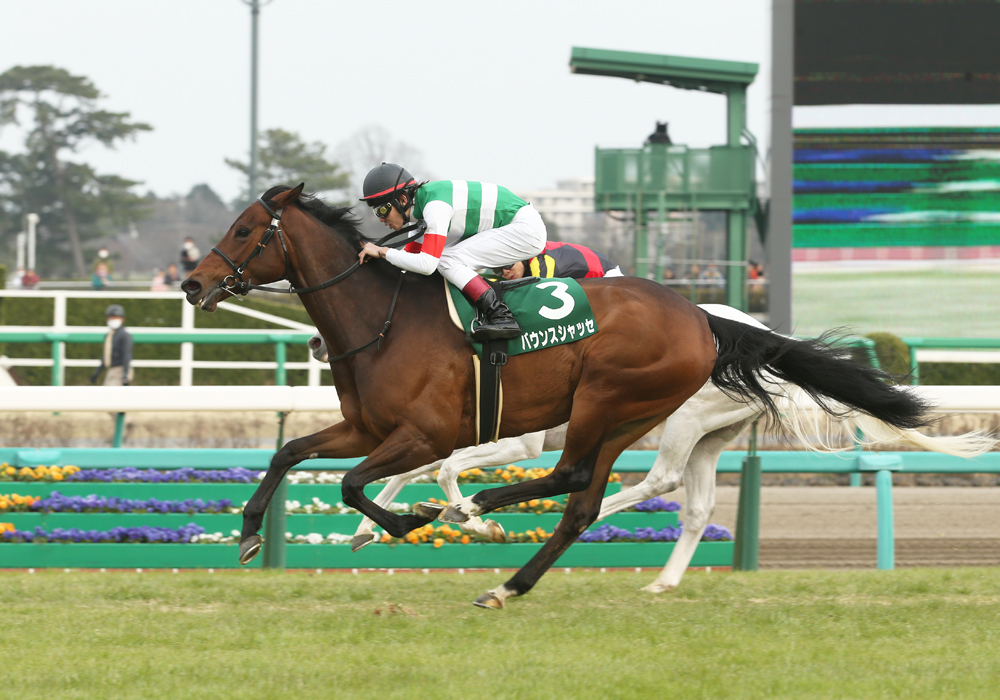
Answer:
(939, 303)
(916, 633)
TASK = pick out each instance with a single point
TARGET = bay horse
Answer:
(692, 442)
(406, 385)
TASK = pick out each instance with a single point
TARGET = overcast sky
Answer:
(482, 89)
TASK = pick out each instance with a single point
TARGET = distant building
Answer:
(570, 206)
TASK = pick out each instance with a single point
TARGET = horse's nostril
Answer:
(191, 286)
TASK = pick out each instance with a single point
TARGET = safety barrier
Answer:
(283, 399)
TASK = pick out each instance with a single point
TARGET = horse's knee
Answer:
(352, 489)
(580, 518)
(697, 516)
(571, 481)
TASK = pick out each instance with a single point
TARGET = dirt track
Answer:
(834, 527)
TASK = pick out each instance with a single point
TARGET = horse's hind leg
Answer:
(491, 454)
(582, 509)
(699, 489)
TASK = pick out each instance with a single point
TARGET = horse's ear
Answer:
(288, 197)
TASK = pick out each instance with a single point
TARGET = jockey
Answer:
(563, 260)
(470, 226)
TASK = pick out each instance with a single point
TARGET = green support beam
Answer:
(659, 177)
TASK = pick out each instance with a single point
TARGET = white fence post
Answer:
(187, 349)
(59, 322)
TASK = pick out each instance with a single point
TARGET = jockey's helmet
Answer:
(386, 181)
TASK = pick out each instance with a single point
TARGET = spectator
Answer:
(102, 275)
(30, 280)
(712, 277)
(159, 283)
(172, 278)
(104, 257)
(668, 275)
(755, 274)
(190, 256)
(117, 355)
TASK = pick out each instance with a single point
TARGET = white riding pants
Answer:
(524, 237)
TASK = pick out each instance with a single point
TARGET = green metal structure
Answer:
(660, 178)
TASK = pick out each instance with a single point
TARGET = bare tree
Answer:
(373, 144)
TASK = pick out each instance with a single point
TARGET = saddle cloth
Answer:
(550, 312)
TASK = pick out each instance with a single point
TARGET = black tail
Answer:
(822, 370)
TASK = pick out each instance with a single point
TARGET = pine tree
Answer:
(58, 113)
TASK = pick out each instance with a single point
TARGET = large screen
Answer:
(866, 188)
(897, 52)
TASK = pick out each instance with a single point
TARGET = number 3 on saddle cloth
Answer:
(550, 312)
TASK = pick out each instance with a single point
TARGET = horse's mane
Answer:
(341, 219)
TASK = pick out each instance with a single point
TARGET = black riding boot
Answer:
(495, 319)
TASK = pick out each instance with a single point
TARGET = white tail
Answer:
(821, 432)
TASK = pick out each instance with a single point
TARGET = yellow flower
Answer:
(10, 471)
(540, 531)
(386, 537)
(466, 539)
(57, 476)
(463, 475)
(498, 470)
(18, 500)
(438, 542)
(476, 472)
(533, 503)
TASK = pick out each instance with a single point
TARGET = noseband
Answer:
(235, 285)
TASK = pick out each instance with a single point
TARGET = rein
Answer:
(235, 285)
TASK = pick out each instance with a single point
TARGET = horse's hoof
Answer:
(453, 515)
(496, 532)
(361, 541)
(488, 600)
(657, 588)
(428, 510)
(249, 548)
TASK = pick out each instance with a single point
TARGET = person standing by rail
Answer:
(117, 355)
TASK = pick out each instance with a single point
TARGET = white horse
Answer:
(692, 442)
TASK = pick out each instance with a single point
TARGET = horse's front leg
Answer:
(365, 534)
(342, 440)
(404, 450)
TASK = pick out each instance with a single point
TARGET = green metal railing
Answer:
(280, 340)
(772, 462)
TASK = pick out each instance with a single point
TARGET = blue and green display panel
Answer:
(896, 187)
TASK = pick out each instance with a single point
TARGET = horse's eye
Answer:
(242, 232)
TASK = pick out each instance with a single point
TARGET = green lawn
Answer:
(930, 303)
(905, 634)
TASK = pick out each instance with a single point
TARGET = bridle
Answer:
(235, 285)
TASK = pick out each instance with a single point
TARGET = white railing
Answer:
(186, 364)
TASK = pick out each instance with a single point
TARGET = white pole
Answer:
(187, 349)
(22, 239)
(32, 222)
